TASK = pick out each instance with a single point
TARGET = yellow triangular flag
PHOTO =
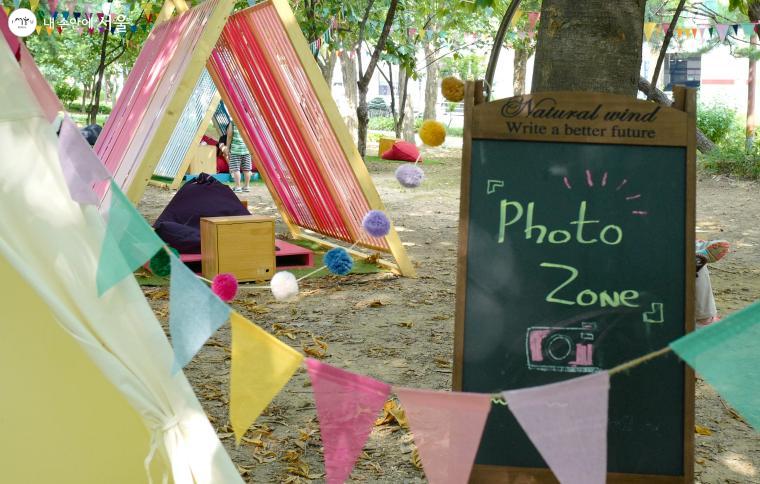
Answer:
(516, 17)
(649, 29)
(261, 366)
(7, 10)
(39, 27)
(34, 4)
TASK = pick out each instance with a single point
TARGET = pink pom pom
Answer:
(225, 286)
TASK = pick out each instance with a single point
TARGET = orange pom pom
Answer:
(432, 133)
(452, 89)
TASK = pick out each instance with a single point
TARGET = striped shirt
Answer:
(237, 147)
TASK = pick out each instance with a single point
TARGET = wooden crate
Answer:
(203, 160)
(241, 245)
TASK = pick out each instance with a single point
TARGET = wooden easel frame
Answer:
(201, 53)
(675, 130)
(403, 264)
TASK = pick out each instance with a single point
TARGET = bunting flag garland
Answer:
(665, 28)
(347, 405)
(7, 10)
(34, 4)
(722, 31)
(567, 422)
(447, 427)
(261, 366)
(195, 313)
(748, 30)
(81, 166)
(16, 3)
(711, 31)
(726, 355)
(128, 243)
(53, 4)
(532, 19)
(648, 30)
(516, 17)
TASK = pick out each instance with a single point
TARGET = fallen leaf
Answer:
(440, 317)
(317, 350)
(416, 461)
(442, 362)
(393, 414)
(406, 324)
(159, 294)
(702, 430)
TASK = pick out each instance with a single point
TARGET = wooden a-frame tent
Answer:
(276, 95)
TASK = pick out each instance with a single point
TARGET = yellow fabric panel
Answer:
(61, 421)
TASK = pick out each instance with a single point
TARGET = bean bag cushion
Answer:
(179, 223)
(402, 151)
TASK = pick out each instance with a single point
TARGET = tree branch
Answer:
(704, 144)
(664, 48)
(367, 75)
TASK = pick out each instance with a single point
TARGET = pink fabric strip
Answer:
(286, 66)
(159, 69)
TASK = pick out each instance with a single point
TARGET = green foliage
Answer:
(731, 157)
(67, 93)
(716, 121)
(381, 123)
(76, 107)
(464, 66)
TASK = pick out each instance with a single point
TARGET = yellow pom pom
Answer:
(452, 89)
(432, 133)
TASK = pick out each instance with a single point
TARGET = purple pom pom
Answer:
(225, 286)
(410, 175)
(376, 224)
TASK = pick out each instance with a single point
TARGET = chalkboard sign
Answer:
(576, 255)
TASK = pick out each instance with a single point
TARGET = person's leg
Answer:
(705, 311)
(246, 167)
(235, 171)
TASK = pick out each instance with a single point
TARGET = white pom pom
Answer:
(284, 285)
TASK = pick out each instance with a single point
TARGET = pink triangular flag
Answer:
(665, 28)
(53, 4)
(81, 166)
(347, 405)
(532, 19)
(567, 422)
(722, 31)
(447, 427)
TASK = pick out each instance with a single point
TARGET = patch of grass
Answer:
(731, 157)
(377, 159)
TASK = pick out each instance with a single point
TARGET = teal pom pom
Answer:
(338, 261)
(160, 264)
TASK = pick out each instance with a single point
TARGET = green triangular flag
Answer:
(128, 243)
(727, 355)
(749, 30)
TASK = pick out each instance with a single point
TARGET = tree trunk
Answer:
(403, 97)
(594, 45)
(366, 76)
(408, 124)
(328, 67)
(93, 117)
(84, 96)
(753, 12)
(431, 82)
(520, 67)
(362, 117)
(348, 70)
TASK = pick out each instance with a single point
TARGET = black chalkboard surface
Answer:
(573, 259)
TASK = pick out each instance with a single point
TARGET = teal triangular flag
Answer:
(195, 313)
(749, 30)
(727, 355)
(128, 243)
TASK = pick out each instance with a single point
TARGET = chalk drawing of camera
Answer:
(561, 349)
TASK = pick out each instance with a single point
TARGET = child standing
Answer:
(239, 158)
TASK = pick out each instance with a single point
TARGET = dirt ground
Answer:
(400, 331)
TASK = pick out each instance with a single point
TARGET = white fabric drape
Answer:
(54, 243)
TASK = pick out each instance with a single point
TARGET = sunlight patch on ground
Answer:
(739, 464)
